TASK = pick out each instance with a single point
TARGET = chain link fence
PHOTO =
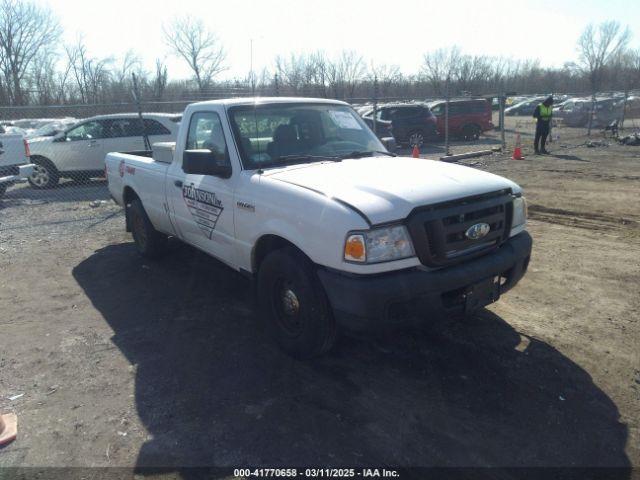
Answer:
(68, 192)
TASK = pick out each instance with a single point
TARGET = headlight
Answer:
(378, 245)
(519, 212)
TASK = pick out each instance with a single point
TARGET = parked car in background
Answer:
(14, 160)
(412, 123)
(468, 118)
(575, 112)
(632, 107)
(523, 109)
(384, 128)
(79, 151)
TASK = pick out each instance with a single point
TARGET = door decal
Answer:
(204, 207)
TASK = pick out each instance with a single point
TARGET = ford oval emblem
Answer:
(477, 231)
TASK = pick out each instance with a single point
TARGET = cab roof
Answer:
(230, 102)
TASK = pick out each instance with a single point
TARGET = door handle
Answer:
(93, 143)
(178, 183)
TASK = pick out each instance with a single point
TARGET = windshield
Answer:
(281, 134)
(51, 129)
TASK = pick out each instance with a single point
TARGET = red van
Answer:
(468, 118)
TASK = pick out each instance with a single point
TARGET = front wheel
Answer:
(44, 175)
(294, 304)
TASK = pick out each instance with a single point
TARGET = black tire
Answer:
(3, 189)
(45, 174)
(294, 304)
(470, 132)
(149, 242)
(416, 138)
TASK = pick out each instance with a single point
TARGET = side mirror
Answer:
(389, 143)
(60, 137)
(203, 162)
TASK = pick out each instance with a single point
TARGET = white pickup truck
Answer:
(14, 160)
(300, 195)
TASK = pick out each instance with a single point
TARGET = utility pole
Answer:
(446, 117)
(501, 103)
(136, 97)
(251, 76)
(375, 104)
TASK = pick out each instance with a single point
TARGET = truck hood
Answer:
(386, 189)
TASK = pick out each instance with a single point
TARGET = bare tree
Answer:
(345, 73)
(159, 80)
(598, 47)
(387, 77)
(441, 66)
(189, 39)
(25, 30)
(92, 75)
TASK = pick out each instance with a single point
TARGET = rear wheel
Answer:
(471, 132)
(416, 138)
(294, 304)
(45, 174)
(149, 242)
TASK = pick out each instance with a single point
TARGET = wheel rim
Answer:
(140, 231)
(286, 306)
(40, 176)
(416, 139)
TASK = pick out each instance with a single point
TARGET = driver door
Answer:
(83, 148)
(203, 205)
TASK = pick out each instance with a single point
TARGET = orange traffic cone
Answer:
(517, 151)
(416, 152)
(8, 428)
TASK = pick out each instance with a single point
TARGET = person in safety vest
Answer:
(542, 114)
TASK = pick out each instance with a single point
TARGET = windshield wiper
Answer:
(285, 160)
(366, 153)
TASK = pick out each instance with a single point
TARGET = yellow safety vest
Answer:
(545, 112)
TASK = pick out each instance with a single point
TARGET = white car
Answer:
(299, 194)
(79, 151)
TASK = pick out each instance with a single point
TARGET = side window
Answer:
(455, 109)
(205, 132)
(86, 131)
(122, 127)
(385, 113)
(153, 127)
(408, 112)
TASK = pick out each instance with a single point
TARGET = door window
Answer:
(123, 127)
(153, 127)
(86, 131)
(205, 132)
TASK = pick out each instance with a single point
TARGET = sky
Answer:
(395, 32)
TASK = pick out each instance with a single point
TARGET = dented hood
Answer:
(386, 189)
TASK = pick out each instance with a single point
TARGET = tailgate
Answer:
(12, 150)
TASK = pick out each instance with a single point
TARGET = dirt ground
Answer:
(126, 362)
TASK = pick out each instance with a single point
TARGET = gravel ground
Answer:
(125, 362)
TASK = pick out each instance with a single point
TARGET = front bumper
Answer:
(363, 302)
(20, 175)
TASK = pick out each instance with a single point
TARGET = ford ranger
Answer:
(337, 232)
